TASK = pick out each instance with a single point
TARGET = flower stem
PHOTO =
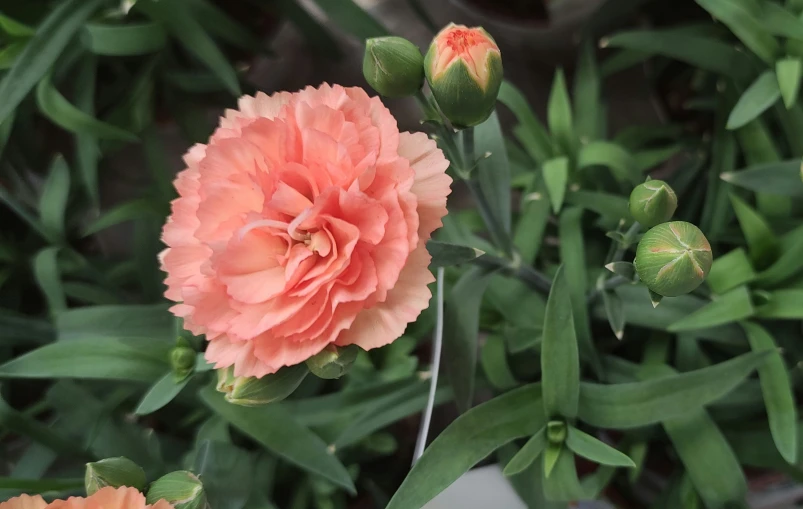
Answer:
(533, 278)
(630, 236)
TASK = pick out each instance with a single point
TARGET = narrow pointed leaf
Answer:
(781, 178)
(562, 484)
(783, 305)
(551, 455)
(591, 448)
(23, 425)
(625, 269)
(539, 146)
(636, 404)
(587, 87)
(527, 454)
(777, 391)
(556, 178)
(607, 205)
(788, 71)
(761, 241)
(87, 151)
(52, 36)
(128, 211)
(493, 171)
(559, 116)
(160, 394)
(610, 155)
(615, 312)
(530, 227)
(560, 363)
(777, 20)
(352, 18)
(124, 40)
(729, 271)
(467, 441)
(758, 97)
(745, 25)
(732, 306)
(53, 200)
(788, 264)
(48, 277)
(494, 362)
(276, 430)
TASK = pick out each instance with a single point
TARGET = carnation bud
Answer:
(333, 361)
(114, 472)
(252, 391)
(393, 66)
(182, 359)
(556, 432)
(464, 70)
(182, 489)
(673, 258)
(653, 202)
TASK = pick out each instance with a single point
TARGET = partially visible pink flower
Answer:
(110, 498)
(24, 502)
(302, 224)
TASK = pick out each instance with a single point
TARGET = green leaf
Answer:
(275, 429)
(699, 51)
(607, 205)
(23, 425)
(778, 21)
(556, 178)
(179, 21)
(161, 393)
(788, 264)
(637, 404)
(152, 322)
(530, 228)
(124, 40)
(351, 18)
(14, 28)
(731, 306)
(729, 271)
(783, 305)
(551, 455)
(128, 211)
(587, 86)
(48, 277)
(87, 152)
(648, 159)
(613, 156)
(536, 140)
(461, 325)
(625, 269)
(563, 485)
(782, 178)
(228, 473)
(9, 54)
(34, 486)
(744, 24)
(106, 359)
(493, 359)
(560, 363)
(717, 211)
(527, 454)
(316, 34)
(53, 200)
(467, 441)
(20, 329)
(55, 107)
(788, 71)
(573, 254)
(758, 97)
(777, 390)
(761, 241)
(595, 450)
(42, 51)
(615, 312)
(493, 172)
(217, 22)
(559, 116)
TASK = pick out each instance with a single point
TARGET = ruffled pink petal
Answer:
(24, 502)
(432, 184)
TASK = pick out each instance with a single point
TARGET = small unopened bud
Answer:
(333, 361)
(673, 258)
(114, 472)
(182, 359)
(653, 203)
(252, 391)
(182, 490)
(464, 70)
(556, 432)
(393, 66)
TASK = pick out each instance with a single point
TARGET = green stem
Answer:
(468, 149)
(528, 275)
(630, 236)
(609, 284)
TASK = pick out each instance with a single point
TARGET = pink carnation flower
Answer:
(105, 498)
(303, 224)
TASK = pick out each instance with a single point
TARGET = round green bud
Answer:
(556, 432)
(393, 66)
(182, 359)
(333, 361)
(673, 258)
(252, 391)
(182, 489)
(114, 472)
(464, 71)
(653, 203)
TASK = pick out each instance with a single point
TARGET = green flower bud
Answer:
(673, 258)
(393, 66)
(182, 489)
(556, 432)
(182, 359)
(464, 70)
(252, 391)
(114, 472)
(333, 361)
(653, 202)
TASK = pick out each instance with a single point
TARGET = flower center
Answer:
(460, 40)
